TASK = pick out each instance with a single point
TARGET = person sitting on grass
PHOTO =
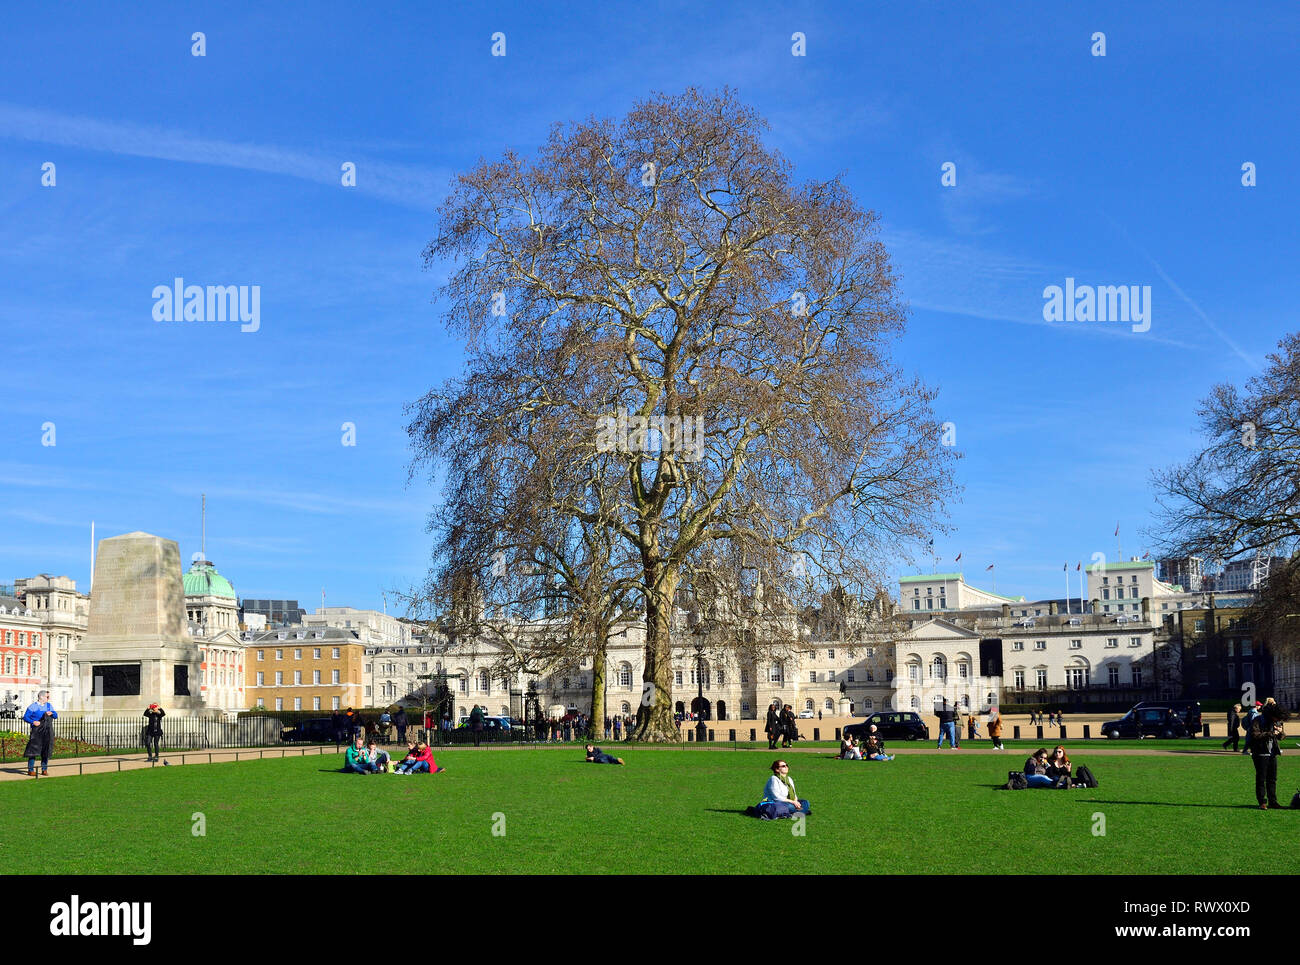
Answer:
(874, 748)
(596, 756)
(1058, 766)
(849, 750)
(376, 759)
(779, 797)
(1036, 771)
(356, 761)
(418, 760)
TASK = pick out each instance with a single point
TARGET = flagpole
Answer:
(1067, 588)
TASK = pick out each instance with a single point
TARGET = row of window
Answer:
(297, 703)
(1076, 678)
(22, 666)
(31, 638)
(1105, 580)
(297, 678)
(1077, 644)
(1119, 593)
(297, 653)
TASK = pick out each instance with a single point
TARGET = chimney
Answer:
(1052, 608)
(1146, 608)
(1006, 611)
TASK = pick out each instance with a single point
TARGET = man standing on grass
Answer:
(41, 715)
(946, 726)
(476, 724)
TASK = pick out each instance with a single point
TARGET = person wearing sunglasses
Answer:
(779, 797)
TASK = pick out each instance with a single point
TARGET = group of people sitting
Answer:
(365, 757)
(1050, 770)
(872, 748)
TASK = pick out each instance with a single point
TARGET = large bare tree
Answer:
(1240, 495)
(660, 290)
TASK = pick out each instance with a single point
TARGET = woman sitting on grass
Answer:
(1058, 766)
(1036, 771)
(375, 758)
(418, 760)
(779, 797)
(849, 750)
(874, 749)
(596, 756)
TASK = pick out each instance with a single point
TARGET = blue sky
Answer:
(224, 169)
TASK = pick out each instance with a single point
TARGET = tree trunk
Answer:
(655, 716)
(598, 709)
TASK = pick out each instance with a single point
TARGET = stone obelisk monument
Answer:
(136, 650)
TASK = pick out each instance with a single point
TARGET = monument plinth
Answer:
(136, 650)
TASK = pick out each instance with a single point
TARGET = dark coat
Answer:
(41, 743)
(773, 722)
(154, 726)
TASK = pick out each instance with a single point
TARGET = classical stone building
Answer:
(213, 613)
(64, 614)
(23, 659)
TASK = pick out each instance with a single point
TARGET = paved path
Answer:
(103, 764)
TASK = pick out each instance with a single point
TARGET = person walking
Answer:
(41, 715)
(972, 727)
(995, 729)
(608, 726)
(401, 723)
(1265, 748)
(336, 721)
(1234, 727)
(153, 716)
(789, 726)
(773, 726)
(618, 728)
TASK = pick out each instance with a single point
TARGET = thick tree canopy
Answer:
(655, 304)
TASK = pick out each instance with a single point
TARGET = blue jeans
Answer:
(1040, 780)
(948, 730)
(414, 767)
(358, 768)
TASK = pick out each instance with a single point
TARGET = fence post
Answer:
(711, 737)
(753, 735)
(1087, 732)
(1062, 735)
(732, 736)
(1015, 732)
(817, 733)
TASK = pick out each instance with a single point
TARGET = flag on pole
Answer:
(989, 567)
(1117, 529)
(1079, 568)
(958, 559)
(1065, 566)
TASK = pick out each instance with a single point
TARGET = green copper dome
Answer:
(204, 580)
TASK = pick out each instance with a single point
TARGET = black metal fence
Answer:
(89, 735)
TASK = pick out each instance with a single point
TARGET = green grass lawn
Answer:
(670, 811)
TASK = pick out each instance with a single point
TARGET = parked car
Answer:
(1188, 711)
(891, 725)
(806, 715)
(489, 723)
(1153, 720)
(316, 729)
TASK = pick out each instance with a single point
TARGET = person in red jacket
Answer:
(419, 759)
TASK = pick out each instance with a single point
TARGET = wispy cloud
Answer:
(408, 185)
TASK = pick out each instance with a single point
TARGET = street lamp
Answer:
(701, 731)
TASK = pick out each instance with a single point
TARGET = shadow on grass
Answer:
(743, 812)
(1173, 804)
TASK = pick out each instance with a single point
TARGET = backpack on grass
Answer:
(1083, 777)
(1015, 781)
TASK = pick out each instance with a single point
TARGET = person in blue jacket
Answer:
(596, 756)
(41, 715)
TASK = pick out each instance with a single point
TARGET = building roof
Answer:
(204, 580)
(1128, 565)
(929, 579)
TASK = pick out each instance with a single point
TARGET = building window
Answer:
(1137, 675)
(913, 672)
(279, 655)
(260, 681)
(335, 653)
(261, 654)
(1135, 641)
(279, 703)
(677, 678)
(1076, 644)
(812, 676)
(367, 691)
(1040, 644)
(1018, 645)
(297, 703)
(963, 670)
(1019, 677)
(315, 703)
(744, 678)
(850, 676)
(315, 678)
(1112, 675)
(830, 654)
(334, 676)
(774, 674)
(1112, 642)
(916, 604)
(625, 676)
(1041, 677)
(279, 680)
(315, 655)
(1074, 678)
(1247, 647)
(297, 653)
(297, 679)
(334, 703)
